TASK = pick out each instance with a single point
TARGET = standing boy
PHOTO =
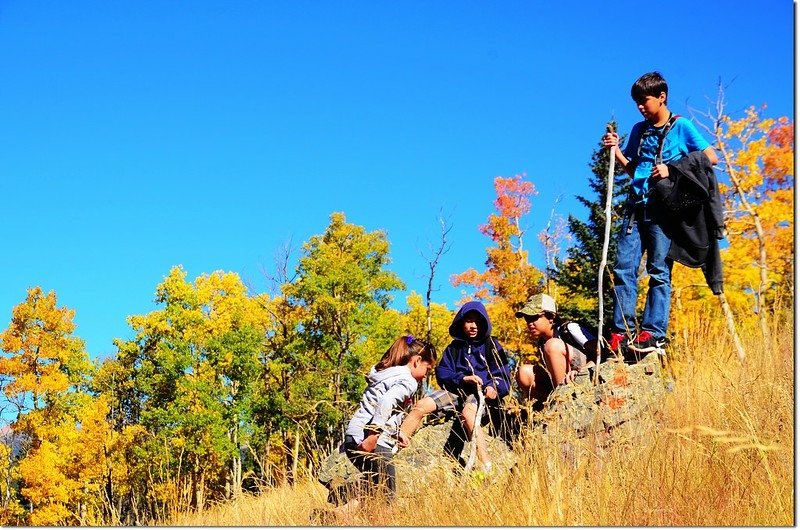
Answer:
(661, 138)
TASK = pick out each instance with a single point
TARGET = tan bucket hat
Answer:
(536, 305)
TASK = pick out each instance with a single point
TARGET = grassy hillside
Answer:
(719, 453)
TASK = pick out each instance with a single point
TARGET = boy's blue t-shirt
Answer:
(682, 139)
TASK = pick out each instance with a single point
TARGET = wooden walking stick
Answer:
(604, 257)
(477, 425)
(478, 418)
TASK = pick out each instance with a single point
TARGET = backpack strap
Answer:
(662, 134)
(566, 336)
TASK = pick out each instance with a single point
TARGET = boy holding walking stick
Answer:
(659, 139)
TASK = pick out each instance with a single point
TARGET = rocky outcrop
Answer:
(623, 393)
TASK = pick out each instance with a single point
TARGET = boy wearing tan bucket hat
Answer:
(564, 348)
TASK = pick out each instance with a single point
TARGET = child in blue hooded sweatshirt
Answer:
(473, 362)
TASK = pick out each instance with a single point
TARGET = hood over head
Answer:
(393, 372)
(484, 328)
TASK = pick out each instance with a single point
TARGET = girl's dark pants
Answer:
(377, 469)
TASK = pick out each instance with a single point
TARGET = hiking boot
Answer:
(646, 343)
(617, 341)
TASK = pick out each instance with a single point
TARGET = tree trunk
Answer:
(295, 455)
(287, 456)
(266, 474)
(726, 309)
(764, 281)
(109, 492)
(233, 481)
(760, 294)
(237, 477)
(337, 381)
(198, 486)
(259, 461)
(432, 263)
(337, 377)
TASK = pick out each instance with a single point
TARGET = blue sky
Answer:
(135, 136)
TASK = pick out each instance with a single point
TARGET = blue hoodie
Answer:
(465, 357)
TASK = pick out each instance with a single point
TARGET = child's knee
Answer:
(625, 264)
(424, 406)
(524, 375)
(659, 276)
(469, 410)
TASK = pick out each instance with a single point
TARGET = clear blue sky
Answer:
(135, 136)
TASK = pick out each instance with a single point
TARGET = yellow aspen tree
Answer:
(343, 280)
(42, 360)
(46, 486)
(757, 158)
(91, 463)
(188, 379)
(45, 373)
(415, 321)
(430, 321)
(11, 511)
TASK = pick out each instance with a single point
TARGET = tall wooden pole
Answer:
(604, 257)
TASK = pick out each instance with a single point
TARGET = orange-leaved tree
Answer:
(509, 278)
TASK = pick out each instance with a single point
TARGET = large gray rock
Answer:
(426, 454)
(623, 393)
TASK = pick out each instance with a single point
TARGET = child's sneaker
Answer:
(617, 341)
(646, 343)
(482, 474)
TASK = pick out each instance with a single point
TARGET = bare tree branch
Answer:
(550, 238)
(281, 274)
(433, 261)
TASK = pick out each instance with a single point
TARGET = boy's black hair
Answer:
(650, 84)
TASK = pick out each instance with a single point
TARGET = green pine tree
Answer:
(577, 274)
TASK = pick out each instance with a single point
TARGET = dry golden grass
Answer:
(719, 453)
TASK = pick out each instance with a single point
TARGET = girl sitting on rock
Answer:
(373, 435)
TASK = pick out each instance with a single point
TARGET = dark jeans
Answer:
(646, 235)
(377, 469)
